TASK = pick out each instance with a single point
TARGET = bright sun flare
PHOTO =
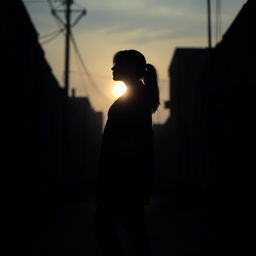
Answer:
(119, 89)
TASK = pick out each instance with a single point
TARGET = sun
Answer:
(119, 89)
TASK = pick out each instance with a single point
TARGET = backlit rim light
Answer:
(119, 89)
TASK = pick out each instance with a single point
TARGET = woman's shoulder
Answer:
(136, 101)
(118, 108)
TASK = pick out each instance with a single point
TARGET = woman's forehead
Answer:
(121, 60)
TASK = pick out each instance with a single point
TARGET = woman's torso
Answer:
(127, 152)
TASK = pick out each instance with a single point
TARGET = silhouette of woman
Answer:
(125, 179)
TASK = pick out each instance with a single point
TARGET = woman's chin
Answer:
(116, 78)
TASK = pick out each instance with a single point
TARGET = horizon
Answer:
(156, 31)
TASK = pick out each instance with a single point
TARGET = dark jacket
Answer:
(127, 153)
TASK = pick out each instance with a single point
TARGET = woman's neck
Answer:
(132, 83)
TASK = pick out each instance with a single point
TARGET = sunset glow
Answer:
(119, 89)
(155, 28)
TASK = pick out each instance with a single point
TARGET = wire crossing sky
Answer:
(154, 27)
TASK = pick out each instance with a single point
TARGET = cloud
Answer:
(154, 20)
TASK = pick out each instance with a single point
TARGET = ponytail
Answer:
(150, 81)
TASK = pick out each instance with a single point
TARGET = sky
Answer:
(154, 27)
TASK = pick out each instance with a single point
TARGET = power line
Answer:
(67, 24)
(85, 68)
(62, 27)
(218, 20)
(34, 1)
(50, 34)
(37, 1)
(52, 37)
(80, 73)
(60, 24)
(209, 25)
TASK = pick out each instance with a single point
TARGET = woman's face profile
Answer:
(122, 71)
(119, 71)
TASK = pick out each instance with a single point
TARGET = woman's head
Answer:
(128, 65)
(131, 66)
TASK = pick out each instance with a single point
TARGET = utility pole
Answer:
(209, 23)
(67, 25)
(67, 46)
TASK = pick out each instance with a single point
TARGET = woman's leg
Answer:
(134, 223)
(106, 232)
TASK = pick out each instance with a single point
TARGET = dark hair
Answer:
(141, 70)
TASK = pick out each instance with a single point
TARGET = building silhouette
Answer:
(85, 127)
(35, 181)
(187, 66)
(204, 150)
